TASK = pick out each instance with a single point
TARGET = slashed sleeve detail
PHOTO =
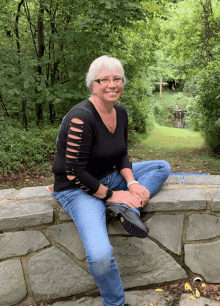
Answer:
(79, 141)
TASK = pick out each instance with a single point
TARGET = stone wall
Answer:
(42, 257)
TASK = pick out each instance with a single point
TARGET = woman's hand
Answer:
(125, 197)
(141, 192)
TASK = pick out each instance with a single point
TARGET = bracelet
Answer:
(132, 182)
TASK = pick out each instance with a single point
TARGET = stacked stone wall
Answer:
(42, 256)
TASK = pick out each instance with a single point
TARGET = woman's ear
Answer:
(92, 89)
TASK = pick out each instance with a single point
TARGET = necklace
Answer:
(109, 119)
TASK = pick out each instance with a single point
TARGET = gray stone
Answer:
(68, 235)
(85, 301)
(21, 243)
(173, 179)
(115, 228)
(134, 298)
(30, 193)
(177, 199)
(146, 297)
(215, 194)
(141, 262)
(203, 226)
(201, 301)
(25, 214)
(54, 275)
(167, 229)
(202, 179)
(6, 192)
(63, 215)
(12, 284)
(204, 259)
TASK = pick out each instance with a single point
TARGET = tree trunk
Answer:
(39, 105)
(24, 116)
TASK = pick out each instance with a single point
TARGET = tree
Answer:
(53, 43)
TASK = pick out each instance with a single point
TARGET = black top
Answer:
(92, 152)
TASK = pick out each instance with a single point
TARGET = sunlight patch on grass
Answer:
(173, 138)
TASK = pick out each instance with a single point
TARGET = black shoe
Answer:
(129, 219)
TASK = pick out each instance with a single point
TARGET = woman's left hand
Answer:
(141, 192)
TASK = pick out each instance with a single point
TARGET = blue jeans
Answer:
(89, 215)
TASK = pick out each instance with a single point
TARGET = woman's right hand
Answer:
(125, 197)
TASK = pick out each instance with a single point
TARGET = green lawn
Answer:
(184, 149)
(173, 138)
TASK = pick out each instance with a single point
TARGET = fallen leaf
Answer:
(158, 290)
(197, 293)
(191, 297)
(187, 287)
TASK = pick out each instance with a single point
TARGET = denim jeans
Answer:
(89, 215)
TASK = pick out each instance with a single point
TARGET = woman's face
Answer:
(110, 88)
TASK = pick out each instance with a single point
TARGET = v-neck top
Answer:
(94, 152)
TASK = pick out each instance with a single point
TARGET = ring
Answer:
(125, 202)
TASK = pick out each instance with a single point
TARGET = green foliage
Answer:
(208, 89)
(165, 106)
(47, 46)
(20, 148)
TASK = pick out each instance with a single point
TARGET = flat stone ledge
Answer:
(6, 192)
(203, 226)
(173, 179)
(30, 193)
(134, 298)
(201, 301)
(215, 194)
(12, 284)
(177, 199)
(25, 214)
(21, 243)
(201, 179)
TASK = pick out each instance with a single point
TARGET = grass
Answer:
(172, 138)
(183, 149)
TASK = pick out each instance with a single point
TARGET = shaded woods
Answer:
(47, 46)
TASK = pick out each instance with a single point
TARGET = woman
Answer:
(93, 174)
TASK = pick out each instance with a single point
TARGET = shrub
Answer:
(20, 148)
(209, 105)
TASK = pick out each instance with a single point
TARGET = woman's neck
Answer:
(102, 107)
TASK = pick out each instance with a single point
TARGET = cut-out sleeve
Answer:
(79, 139)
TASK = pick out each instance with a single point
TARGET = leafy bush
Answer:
(209, 105)
(165, 107)
(19, 148)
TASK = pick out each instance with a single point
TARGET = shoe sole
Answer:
(130, 227)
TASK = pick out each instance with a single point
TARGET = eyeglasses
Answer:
(117, 80)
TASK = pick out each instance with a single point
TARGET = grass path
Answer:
(183, 149)
(172, 138)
